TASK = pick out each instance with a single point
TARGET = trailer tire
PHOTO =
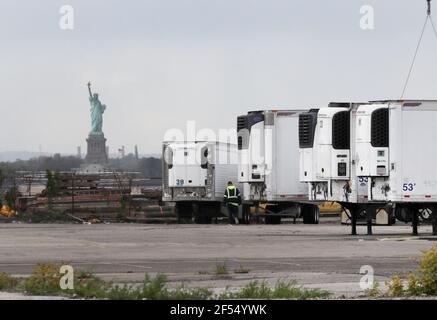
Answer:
(310, 214)
(403, 213)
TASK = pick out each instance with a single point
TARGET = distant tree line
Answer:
(43, 163)
(149, 167)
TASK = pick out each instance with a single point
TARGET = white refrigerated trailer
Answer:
(327, 162)
(195, 176)
(386, 162)
(395, 150)
(325, 153)
(269, 165)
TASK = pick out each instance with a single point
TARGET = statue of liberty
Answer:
(97, 109)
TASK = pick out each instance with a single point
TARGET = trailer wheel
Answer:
(310, 214)
(403, 213)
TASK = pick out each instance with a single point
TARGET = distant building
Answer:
(136, 152)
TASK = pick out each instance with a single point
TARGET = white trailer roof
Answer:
(403, 101)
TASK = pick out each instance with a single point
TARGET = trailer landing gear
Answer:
(353, 210)
(413, 212)
(245, 213)
(434, 221)
(370, 211)
(415, 221)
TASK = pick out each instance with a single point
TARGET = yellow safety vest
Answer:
(231, 193)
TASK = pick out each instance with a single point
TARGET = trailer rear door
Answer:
(187, 169)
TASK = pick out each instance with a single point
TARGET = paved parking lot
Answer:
(323, 256)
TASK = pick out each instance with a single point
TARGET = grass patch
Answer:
(87, 285)
(282, 290)
(154, 288)
(221, 268)
(183, 293)
(374, 291)
(45, 280)
(7, 282)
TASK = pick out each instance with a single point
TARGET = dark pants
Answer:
(232, 213)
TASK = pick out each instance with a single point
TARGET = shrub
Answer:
(7, 282)
(374, 291)
(154, 289)
(428, 271)
(414, 286)
(44, 280)
(395, 287)
(424, 283)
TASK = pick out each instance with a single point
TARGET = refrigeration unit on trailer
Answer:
(324, 152)
(327, 164)
(395, 150)
(195, 176)
(269, 165)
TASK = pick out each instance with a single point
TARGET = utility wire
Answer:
(415, 54)
(433, 26)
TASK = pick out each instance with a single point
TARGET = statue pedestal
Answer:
(96, 149)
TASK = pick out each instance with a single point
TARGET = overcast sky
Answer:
(159, 63)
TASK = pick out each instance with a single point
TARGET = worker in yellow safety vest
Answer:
(232, 200)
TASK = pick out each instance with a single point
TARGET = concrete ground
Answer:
(316, 256)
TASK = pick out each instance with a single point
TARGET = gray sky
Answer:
(159, 63)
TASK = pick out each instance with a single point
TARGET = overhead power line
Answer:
(428, 18)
